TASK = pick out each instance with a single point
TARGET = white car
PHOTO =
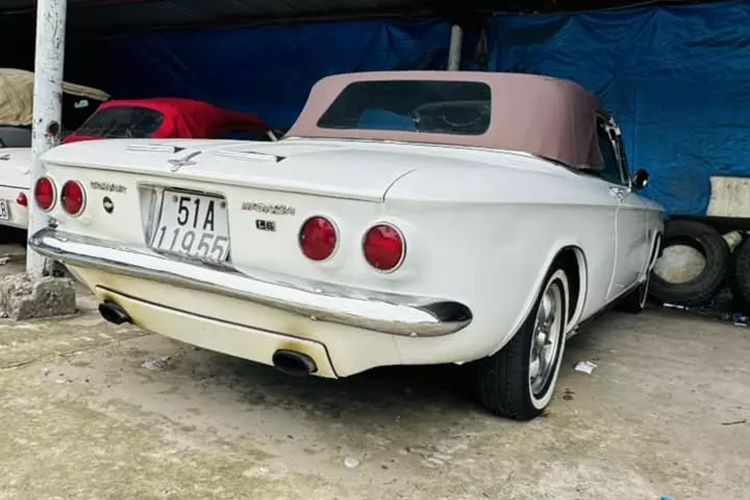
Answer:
(407, 218)
(16, 113)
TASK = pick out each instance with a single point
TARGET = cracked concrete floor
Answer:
(81, 418)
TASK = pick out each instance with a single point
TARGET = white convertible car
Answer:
(407, 218)
(16, 116)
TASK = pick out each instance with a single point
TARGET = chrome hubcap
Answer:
(546, 339)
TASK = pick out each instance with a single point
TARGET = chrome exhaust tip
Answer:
(294, 363)
(114, 313)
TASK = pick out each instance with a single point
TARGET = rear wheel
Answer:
(518, 381)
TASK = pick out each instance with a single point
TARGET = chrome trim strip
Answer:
(249, 155)
(153, 148)
(383, 312)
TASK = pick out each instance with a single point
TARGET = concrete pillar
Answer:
(454, 53)
(30, 295)
(48, 78)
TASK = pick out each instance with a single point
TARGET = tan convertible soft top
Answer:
(17, 96)
(548, 117)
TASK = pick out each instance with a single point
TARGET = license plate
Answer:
(4, 212)
(193, 225)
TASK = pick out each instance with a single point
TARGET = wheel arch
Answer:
(656, 250)
(572, 259)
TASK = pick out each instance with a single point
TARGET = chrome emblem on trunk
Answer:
(265, 225)
(183, 162)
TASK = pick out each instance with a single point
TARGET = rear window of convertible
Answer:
(122, 122)
(438, 107)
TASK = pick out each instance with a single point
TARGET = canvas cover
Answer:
(552, 118)
(17, 96)
(184, 118)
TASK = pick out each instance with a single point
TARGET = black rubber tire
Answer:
(704, 287)
(502, 380)
(739, 275)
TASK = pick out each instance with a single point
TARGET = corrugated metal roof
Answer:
(145, 13)
(189, 12)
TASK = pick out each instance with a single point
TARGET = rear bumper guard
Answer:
(383, 312)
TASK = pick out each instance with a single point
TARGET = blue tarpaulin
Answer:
(676, 79)
(268, 71)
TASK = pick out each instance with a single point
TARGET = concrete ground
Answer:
(82, 418)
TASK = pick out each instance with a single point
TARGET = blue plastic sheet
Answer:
(268, 71)
(676, 79)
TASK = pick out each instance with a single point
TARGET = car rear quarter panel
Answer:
(488, 236)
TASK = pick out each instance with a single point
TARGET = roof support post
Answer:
(46, 129)
(454, 53)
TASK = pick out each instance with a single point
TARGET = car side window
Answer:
(612, 168)
(15, 137)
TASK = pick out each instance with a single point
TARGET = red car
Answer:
(169, 118)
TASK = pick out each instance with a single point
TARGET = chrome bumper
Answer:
(382, 312)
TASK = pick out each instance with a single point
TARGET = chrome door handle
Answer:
(617, 191)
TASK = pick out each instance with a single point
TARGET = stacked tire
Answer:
(699, 289)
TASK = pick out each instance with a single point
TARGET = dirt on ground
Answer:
(89, 410)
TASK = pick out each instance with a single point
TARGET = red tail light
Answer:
(318, 238)
(22, 200)
(44, 193)
(383, 247)
(73, 198)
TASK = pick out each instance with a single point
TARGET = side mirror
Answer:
(640, 179)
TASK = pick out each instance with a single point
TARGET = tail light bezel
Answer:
(401, 236)
(336, 231)
(83, 196)
(54, 193)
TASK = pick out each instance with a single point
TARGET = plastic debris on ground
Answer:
(739, 319)
(4, 260)
(675, 306)
(585, 367)
(158, 364)
(736, 422)
(351, 463)
(723, 307)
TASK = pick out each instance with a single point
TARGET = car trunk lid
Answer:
(341, 171)
(15, 167)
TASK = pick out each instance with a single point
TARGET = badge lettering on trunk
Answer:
(265, 225)
(110, 187)
(264, 208)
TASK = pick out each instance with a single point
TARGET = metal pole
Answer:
(454, 54)
(48, 78)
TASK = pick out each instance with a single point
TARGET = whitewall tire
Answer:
(519, 380)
